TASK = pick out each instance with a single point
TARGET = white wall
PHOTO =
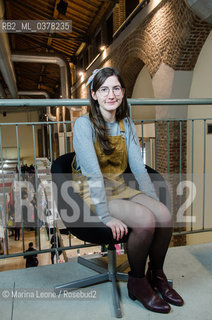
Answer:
(201, 87)
(143, 89)
(171, 84)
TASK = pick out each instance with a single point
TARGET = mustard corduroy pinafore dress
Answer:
(112, 167)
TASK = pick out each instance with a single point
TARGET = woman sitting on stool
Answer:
(105, 142)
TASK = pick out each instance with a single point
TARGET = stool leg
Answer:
(82, 283)
(116, 302)
(113, 278)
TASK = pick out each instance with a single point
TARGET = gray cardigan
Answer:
(83, 142)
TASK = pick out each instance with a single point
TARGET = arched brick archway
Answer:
(129, 73)
(133, 54)
(172, 34)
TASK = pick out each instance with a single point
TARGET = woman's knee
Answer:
(164, 215)
(144, 218)
(146, 228)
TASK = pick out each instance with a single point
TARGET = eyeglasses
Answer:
(104, 91)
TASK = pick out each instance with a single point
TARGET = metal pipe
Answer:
(85, 102)
(168, 147)
(48, 59)
(40, 93)
(34, 93)
(6, 65)
(4, 218)
(63, 65)
(204, 180)
(36, 190)
(43, 141)
(192, 170)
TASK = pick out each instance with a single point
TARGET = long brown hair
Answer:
(95, 115)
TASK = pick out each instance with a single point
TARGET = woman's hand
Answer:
(118, 228)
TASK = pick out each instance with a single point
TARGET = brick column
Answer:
(171, 163)
(172, 136)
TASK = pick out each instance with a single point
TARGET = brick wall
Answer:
(171, 34)
(119, 15)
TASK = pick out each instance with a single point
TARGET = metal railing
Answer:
(186, 128)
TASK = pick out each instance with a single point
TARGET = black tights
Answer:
(144, 242)
(141, 243)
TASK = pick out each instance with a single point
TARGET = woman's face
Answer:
(109, 95)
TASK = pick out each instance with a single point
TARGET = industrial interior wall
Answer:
(25, 135)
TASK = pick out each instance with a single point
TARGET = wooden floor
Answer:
(45, 258)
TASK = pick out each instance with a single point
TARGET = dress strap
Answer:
(121, 125)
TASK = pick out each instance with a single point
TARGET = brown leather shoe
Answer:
(140, 289)
(158, 280)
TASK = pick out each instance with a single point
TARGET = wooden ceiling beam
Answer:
(91, 3)
(36, 81)
(41, 36)
(47, 88)
(86, 8)
(50, 48)
(62, 45)
(75, 18)
(43, 6)
(33, 12)
(28, 70)
(27, 14)
(80, 13)
(59, 48)
(23, 79)
(63, 51)
(55, 16)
